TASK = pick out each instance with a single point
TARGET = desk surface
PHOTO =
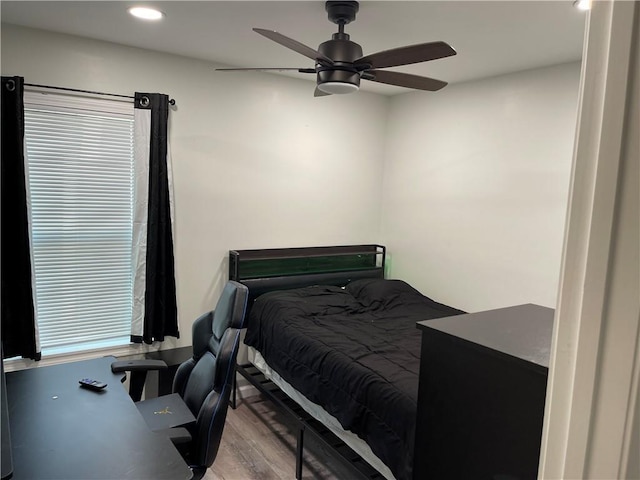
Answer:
(62, 431)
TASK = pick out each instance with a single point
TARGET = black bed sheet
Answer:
(355, 351)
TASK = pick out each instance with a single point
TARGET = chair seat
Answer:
(167, 411)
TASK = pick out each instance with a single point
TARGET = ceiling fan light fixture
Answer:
(338, 88)
(338, 82)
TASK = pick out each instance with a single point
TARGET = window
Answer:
(80, 175)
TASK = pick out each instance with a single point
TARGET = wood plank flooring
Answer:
(258, 443)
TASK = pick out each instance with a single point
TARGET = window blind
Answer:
(80, 172)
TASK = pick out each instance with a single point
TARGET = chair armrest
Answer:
(138, 369)
(177, 435)
(137, 365)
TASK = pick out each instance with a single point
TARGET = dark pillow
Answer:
(386, 294)
(380, 292)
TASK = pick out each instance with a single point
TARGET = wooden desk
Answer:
(481, 395)
(62, 431)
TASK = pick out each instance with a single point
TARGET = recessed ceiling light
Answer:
(582, 4)
(146, 13)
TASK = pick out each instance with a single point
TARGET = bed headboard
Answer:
(271, 269)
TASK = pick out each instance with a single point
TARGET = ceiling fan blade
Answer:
(404, 80)
(260, 69)
(406, 55)
(295, 46)
(320, 93)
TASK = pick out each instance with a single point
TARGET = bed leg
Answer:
(299, 450)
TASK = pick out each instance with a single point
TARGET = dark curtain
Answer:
(160, 317)
(19, 333)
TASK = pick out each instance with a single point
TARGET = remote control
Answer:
(92, 384)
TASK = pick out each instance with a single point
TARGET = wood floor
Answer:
(258, 444)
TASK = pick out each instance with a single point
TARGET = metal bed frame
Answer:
(306, 424)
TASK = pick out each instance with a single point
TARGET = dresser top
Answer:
(522, 331)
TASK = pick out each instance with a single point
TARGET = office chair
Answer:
(202, 384)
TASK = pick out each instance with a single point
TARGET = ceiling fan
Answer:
(340, 65)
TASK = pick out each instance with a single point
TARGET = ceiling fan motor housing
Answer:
(343, 52)
(340, 49)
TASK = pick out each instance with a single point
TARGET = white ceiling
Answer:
(491, 38)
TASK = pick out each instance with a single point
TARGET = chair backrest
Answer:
(205, 380)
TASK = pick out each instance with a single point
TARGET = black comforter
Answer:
(355, 351)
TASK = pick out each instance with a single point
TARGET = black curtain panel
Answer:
(155, 310)
(19, 332)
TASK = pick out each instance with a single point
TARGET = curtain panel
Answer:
(19, 328)
(154, 303)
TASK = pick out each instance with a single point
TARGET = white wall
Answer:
(476, 184)
(257, 160)
(466, 187)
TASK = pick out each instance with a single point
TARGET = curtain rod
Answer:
(171, 101)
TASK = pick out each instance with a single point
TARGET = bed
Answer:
(340, 340)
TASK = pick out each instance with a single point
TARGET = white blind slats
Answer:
(80, 166)
(90, 125)
(87, 212)
(92, 133)
(82, 162)
(96, 204)
(76, 269)
(115, 167)
(87, 310)
(62, 298)
(97, 140)
(76, 193)
(90, 222)
(91, 151)
(75, 278)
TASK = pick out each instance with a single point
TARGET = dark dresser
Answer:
(483, 379)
